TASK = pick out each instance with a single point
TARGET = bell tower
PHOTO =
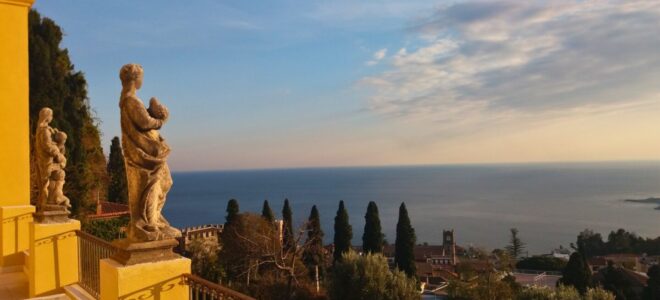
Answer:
(449, 245)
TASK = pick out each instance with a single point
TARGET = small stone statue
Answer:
(145, 153)
(49, 150)
(56, 184)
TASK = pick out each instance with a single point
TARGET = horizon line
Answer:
(465, 164)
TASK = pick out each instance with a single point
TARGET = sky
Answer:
(286, 84)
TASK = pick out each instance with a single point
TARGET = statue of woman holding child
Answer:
(49, 149)
(145, 155)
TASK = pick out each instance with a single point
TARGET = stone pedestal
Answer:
(52, 214)
(14, 234)
(161, 280)
(144, 252)
(53, 260)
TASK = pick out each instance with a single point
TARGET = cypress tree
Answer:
(267, 213)
(576, 273)
(516, 246)
(287, 217)
(313, 254)
(55, 83)
(118, 188)
(372, 238)
(404, 257)
(232, 211)
(343, 232)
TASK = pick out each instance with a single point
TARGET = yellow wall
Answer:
(53, 259)
(148, 281)
(14, 233)
(15, 212)
(14, 98)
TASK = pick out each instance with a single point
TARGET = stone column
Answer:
(15, 209)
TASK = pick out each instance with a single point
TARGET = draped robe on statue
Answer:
(149, 179)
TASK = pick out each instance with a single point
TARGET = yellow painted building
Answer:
(15, 209)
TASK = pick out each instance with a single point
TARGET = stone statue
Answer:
(56, 180)
(50, 162)
(145, 154)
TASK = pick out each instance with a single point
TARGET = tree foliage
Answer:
(205, 260)
(542, 263)
(267, 212)
(516, 246)
(488, 285)
(591, 244)
(615, 280)
(652, 290)
(107, 229)
(118, 188)
(404, 257)
(232, 211)
(256, 263)
(369, 277)
(372, 238)
(55, 83)
(314, 254)
(287, 217)
(577, 273)
(343, 232)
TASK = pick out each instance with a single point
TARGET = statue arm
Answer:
(49, 145)
(141, 118)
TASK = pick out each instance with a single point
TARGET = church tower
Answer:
(449, 245)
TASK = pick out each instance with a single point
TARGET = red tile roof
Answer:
(107, 210)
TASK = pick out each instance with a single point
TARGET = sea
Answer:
(549, 203)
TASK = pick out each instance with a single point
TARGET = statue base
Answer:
(159, 280)
(131, 253)
(51, 214)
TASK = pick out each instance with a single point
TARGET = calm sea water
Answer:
(549, 203)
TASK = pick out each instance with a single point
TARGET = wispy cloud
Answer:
(482, 61)
(377, 57)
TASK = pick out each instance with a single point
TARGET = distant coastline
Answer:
(650, 200)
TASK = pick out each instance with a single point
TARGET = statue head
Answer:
(45, 116)
(131, 74)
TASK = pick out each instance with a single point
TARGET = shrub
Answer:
(369, 277)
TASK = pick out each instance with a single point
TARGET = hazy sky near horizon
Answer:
(356, 83)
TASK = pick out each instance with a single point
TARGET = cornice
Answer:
(24, 3)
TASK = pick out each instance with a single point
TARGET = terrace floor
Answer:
(13, 286)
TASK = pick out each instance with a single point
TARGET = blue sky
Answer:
(343, 83)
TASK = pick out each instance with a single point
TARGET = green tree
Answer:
(516, 246)
(542, 263)
(314, 253)
(372, 238)
(232, 211)
(590, 244)
(255, 262)
(343, 232)
(577, 273)
(404, 257)
(287, 217)
(205, 262)
(55, 83)
(652, 290)
(598, 294)
(369, 277)
(615, 280)
(118, 188)
(107, 229)
(488, 285)
(267, 212)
